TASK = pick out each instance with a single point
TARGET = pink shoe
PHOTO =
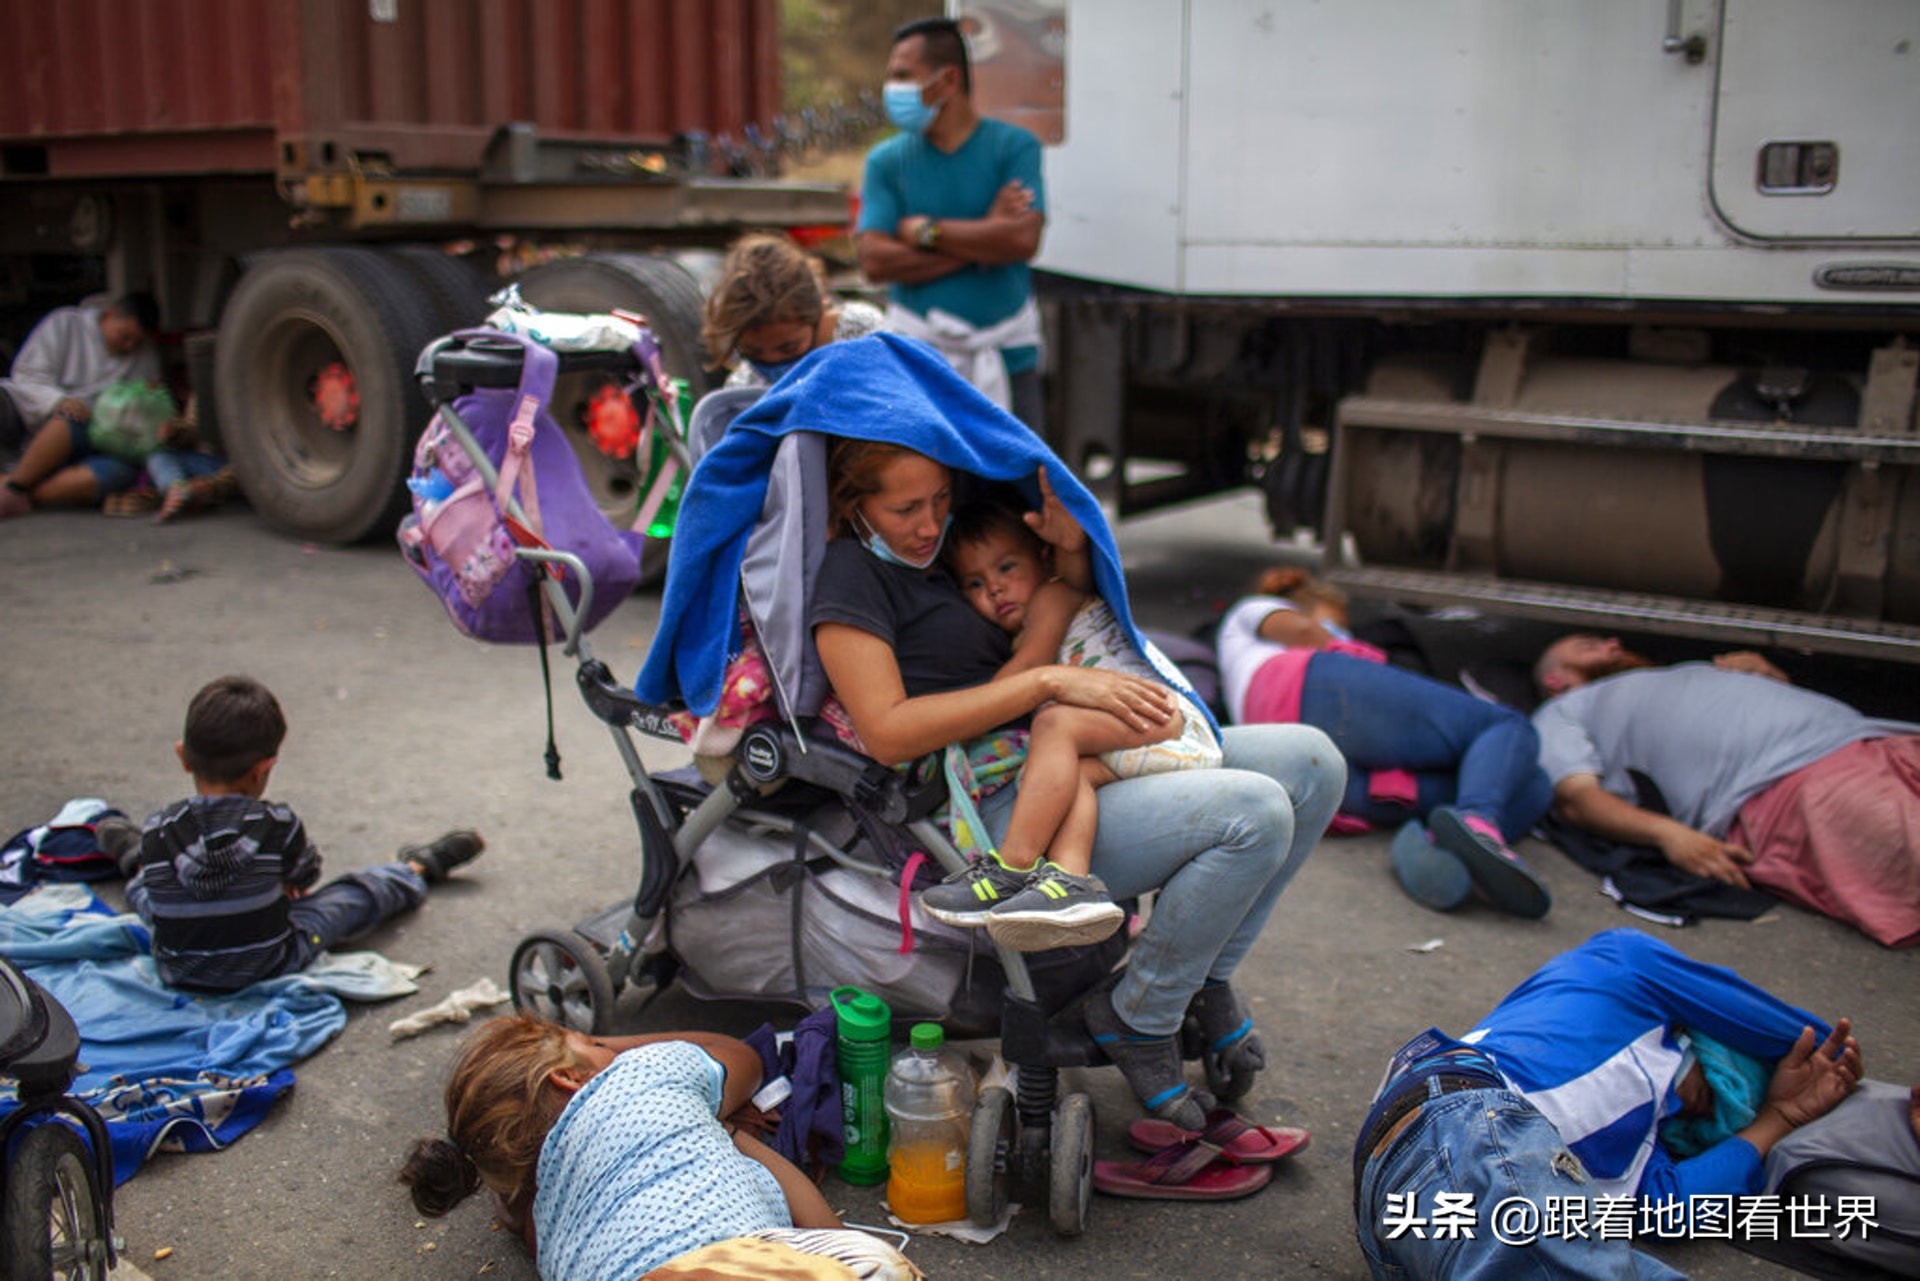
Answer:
(1500, 873)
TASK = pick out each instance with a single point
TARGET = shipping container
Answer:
(287, 176)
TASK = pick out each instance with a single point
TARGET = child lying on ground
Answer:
(224, 879)
(625, 1151)
(1037, 891)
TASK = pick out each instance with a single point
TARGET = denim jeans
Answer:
(1495, 1147)
(1220, 845)
(1462, 750)
(168, 467)
(351, 905)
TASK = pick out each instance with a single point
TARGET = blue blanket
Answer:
(882, 387)
(165, 1070)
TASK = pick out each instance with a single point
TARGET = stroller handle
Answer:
(449, 365)
(571, 615)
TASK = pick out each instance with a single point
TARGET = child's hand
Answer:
(1053, 524)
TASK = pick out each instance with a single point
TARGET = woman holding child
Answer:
(914, 665)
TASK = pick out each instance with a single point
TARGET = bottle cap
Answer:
(927, 1036)
(861, 1015)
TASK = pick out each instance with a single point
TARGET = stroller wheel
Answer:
(561, 977)
(54, 1218)
(989, 1154)
(1070, 1166)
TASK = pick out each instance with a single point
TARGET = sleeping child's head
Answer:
(1319, 600)
(998, 561)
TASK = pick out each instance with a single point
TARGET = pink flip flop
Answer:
(1190, 1171)
(1237, 1138)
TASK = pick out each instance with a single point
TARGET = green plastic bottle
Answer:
(669, 510)
(863, 1053)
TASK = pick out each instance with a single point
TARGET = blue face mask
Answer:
(872, 541)
(905, 111)
(773, 373)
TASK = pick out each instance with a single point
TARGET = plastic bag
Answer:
(127, 419)
(560, 330)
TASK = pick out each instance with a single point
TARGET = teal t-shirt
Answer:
(907, 175)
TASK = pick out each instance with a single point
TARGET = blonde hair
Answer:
(766, 279)
(500, 1106)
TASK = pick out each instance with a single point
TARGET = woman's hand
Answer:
(1139, 703)
(1704, 855)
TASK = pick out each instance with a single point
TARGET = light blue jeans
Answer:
(1220, 845)
(168, 467)
(1495, 1147)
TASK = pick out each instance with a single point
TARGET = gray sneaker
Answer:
(964, 898)
(1056, 909)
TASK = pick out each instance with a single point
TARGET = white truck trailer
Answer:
(1597, 312)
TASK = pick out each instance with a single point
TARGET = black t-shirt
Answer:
(938, 639)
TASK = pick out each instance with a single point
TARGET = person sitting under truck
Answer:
(1765, 784)
(69, 358)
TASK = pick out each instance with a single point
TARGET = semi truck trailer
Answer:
(287, 175)
(1598, 313)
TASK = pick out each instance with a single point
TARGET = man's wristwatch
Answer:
(928, 235)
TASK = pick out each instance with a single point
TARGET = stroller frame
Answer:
(1030, 1141)
(56, 1189)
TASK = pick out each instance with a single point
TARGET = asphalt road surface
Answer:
(401, 729)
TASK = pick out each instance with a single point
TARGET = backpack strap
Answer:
(538, 368)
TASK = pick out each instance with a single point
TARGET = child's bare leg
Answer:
(805, 1201)
(1072, 846)
(1049, 782)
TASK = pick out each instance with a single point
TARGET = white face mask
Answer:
(872, 541)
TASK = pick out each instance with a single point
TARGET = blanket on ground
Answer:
(169, 1071)
(881, 387)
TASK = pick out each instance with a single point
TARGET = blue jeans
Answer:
(350, 906)
(168, 467)
(110, 474)
(1494, 1146)
(1479, 756)
(1220, 845)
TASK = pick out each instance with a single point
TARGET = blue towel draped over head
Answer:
(882, 387)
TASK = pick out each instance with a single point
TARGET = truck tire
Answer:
(314, 374)
(455, 288)
(662, 291)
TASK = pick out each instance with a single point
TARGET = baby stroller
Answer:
(57, 1188)
(813, 823)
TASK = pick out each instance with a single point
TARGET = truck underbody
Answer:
(1744, 474)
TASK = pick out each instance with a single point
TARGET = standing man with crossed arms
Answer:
(951, 213)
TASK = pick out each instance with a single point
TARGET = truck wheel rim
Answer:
(307, 401)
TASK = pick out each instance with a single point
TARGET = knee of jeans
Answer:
(1322, 770)
(1262, 819)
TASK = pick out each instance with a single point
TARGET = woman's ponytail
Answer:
(439, 1175)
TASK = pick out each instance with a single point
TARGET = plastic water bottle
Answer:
(861, 1047)
(929, 1109)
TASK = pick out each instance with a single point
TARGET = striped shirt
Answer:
(212, 886)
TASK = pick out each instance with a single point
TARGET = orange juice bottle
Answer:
(929, 1097)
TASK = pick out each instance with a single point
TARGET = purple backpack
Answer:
(461, 536)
